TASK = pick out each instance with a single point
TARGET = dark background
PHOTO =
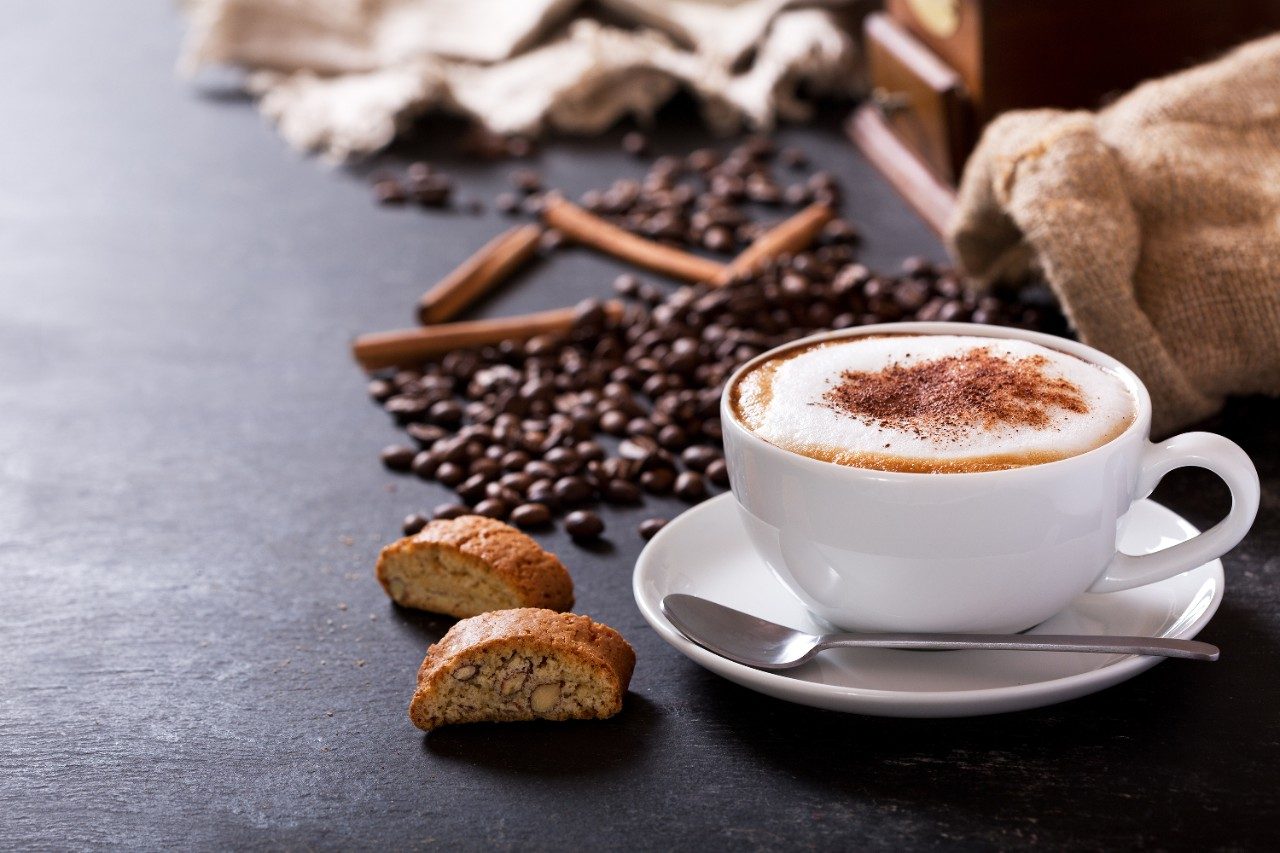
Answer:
(193, 652)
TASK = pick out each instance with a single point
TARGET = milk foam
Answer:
(782, 401)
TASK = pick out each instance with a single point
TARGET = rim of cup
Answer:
(1142, 399)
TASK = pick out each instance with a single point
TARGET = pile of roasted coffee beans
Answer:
(705, 200)
(527, 431)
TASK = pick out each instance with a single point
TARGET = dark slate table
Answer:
(193, 652)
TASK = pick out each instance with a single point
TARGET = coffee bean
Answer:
(486, 467)
(794, 158)
(425, 464)
(406, 409)
(397, 457)
(583, 524)
(389, 191)
(627, 285)
(414, 523)
(472, 489)
(639, 447)
(445, 511)
(544, 493)
(718, 472)
(650, 527)
(504, 493)
(526, 180)
(515, 460)
(564, 459)
(621, 492)
(451, 474)
(573, 490)
(589, 451)
(614, 422)
(672, 437)
(698, 457)
(635, 144)
(641, 427)
(658, 481)
(531, 515)
(493, 508)
(691, 486)
(381, 389)
(517, 481)
(550, 240)
(425, 434)
(508, 203)
(446, 413)
(541, 469)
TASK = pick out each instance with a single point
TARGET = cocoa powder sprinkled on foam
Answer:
(941, 398)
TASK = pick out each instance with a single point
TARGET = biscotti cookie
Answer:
(470, 565)
(524, 664)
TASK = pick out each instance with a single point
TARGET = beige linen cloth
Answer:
(1156, 221)
(345, 76)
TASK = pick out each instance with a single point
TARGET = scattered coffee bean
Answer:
(551, 240)
(544, 493)
(531, 515)
(650, 527)
(397, 457)
(583, 524)
(493, 508)
(636, 144)
(698, 457)
(658, 481)
(472, 489)
(425, 434)
(691, 486)
(450, 511)
(526, 180)
(451, 474)
(613, 422)
(390, 191)
(794, 158)
(621, 492)
(571, 491)
(540, 469)
(718, 472)
(627, 285)
(485, 467)
(426, 463)
(414, 523)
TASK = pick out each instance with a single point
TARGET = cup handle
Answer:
(1202, 450)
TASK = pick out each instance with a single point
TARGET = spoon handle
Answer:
(1157, 646)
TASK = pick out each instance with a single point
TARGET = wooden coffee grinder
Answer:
(941, 69)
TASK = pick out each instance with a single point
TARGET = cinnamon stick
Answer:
(793, 234)
(590, 230)
(492, 264)
(411, 346)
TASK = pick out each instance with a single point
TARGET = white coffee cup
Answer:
(992, 551)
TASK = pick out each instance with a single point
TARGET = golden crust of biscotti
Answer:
(594, 648)
(528, 575)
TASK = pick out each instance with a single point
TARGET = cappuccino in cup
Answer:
(954, 477)
(932, 403)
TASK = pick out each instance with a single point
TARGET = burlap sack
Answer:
(1156, 222)
(344, 77)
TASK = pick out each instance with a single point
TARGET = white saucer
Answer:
(705, 552)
